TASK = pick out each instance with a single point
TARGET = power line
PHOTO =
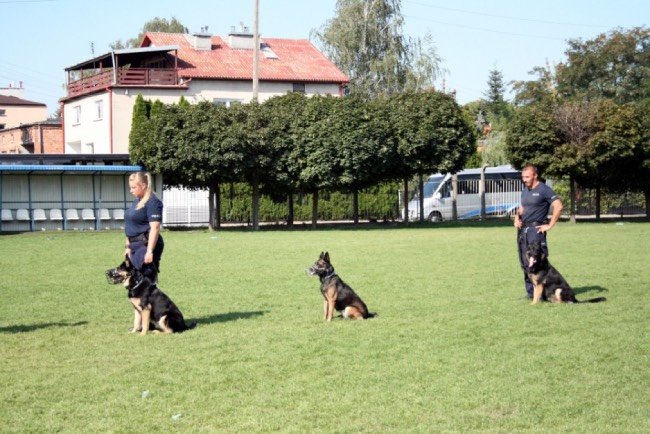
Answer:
(26, 1)
(533, 20)
(486, 30)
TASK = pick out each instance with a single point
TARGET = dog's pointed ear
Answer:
(321, 255)
(326, 257)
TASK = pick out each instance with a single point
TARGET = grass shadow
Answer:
(225, 317)
(22, 328)
(593, 288)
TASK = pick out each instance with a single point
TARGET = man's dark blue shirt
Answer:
(536, 203)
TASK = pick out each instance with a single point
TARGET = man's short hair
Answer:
(531, 167)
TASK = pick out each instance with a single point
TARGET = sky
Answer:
(40, 38)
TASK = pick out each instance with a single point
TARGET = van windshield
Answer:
(431, 186)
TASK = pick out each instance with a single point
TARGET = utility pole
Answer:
(256, 51)
(256, 47)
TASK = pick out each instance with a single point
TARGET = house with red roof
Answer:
(101, 92)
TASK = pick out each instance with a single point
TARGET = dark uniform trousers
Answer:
(139, 250)
(525, 236)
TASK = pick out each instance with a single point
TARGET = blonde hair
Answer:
(145, 179)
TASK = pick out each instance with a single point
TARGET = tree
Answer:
(317, 158)
(491, 117)
(532, 137)
(598, 144)
(495, 101)
(283, 135)
(206, 158)
(248, 132)
(582, 106)
(365, 40)
(431, 134)
(138, 136)
(614, 65)
(621, 154)
(425, 64)
(536, 91)
(155, 25)
(356, 147)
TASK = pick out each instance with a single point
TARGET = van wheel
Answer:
(435, 217)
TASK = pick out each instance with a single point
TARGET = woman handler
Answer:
(144, 245)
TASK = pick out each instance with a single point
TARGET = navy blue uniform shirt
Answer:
(536, 203)
(136, 221)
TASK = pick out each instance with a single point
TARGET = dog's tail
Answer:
(593, 300)
(188, 326)
(370, 315)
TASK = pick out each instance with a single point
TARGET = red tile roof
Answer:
(297, 60)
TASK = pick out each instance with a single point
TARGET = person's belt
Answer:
(533, 224)
(141, 237)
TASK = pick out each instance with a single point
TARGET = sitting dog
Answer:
(151, 306)
(548, 281)
(338, 295)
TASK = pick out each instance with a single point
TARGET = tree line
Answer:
(586, 119)
(293, 143)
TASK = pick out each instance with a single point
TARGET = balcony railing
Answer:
(126, 77)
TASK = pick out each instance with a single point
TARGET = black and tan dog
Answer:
(548, 282)
(152, 307)
(337, 294)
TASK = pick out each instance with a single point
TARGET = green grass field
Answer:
(455, 348)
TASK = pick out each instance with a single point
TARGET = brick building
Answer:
(45, 137)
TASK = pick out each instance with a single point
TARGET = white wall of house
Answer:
(199, 90)
(87, 125)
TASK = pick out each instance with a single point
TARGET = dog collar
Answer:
(139, 284)
(330, 275)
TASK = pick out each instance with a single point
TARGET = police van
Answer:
(502, 194)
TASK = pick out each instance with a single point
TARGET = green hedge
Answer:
(380, 203)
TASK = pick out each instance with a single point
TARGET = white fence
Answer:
(185, 207)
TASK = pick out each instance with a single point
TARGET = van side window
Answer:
(445, 190)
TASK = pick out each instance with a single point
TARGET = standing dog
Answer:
(151, 306)
(337, 294)
(548, 281)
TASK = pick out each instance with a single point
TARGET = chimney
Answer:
(242, 39)
(202, 40)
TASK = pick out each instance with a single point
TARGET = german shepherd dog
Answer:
(337, 294)
(548, 281)
(151, 307)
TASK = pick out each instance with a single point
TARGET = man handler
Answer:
(531, 219)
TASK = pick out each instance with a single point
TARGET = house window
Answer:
(299, 87)
(3, 112)
(99, 110)
(76, 115)
(2, 126)
(226, 102)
